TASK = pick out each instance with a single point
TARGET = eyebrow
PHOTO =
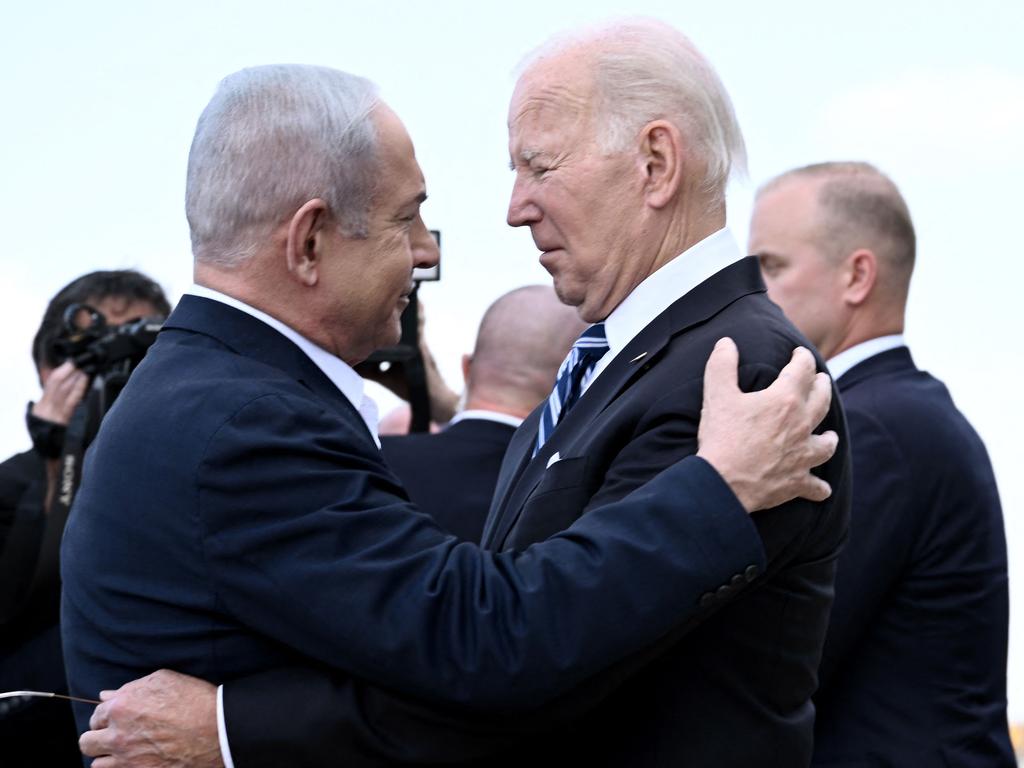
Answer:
(417, 200)
(526, 155)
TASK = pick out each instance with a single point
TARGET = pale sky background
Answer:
(101, 99)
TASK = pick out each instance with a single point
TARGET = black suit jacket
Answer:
(32, 731)
(915, 659)
(235, 515)
(450, 475)
(736, 690)
(730, 687)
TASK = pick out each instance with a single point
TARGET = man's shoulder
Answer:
(763, 335)
(912, 407)
(183, 371)
(191, 393)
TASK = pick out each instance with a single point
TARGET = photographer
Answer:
(31, 526)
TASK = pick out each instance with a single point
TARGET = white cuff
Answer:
(222, 731)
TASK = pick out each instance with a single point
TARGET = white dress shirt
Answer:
(659, 290)
(348, 382)
(858, 353)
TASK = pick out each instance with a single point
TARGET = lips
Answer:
(548, 258)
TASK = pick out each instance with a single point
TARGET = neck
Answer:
(278, 297)
(477, 403)
(861, 329)
(692, 220)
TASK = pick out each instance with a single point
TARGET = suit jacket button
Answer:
(724, 591)
(738, 580)
(707, 599)
(751, 573)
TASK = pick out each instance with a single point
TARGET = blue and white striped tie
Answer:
(573, 376)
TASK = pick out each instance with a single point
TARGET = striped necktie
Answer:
(573, 376)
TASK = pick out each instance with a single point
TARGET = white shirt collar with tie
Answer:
(659, 290)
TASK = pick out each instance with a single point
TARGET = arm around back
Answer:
(349, 574)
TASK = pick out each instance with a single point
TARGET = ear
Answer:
(860, 275)
(661, 150)
(467, 363)
(305, 243)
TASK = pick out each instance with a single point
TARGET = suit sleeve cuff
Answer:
(222, 731)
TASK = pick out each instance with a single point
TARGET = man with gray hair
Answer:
(914, 668)
(235, 513)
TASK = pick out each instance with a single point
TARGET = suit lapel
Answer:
(520, 474)
(517, 455)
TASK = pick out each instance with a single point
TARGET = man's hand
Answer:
(761, 442)
(164, 720)
(64, 389)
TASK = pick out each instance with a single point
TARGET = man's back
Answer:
(161, 599)
(914, 664)
(450, 475)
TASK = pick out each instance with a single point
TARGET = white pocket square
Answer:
(554, 457)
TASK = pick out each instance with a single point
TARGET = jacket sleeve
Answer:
(882, 536)
(311, 542)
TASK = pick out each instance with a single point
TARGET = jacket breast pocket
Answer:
(557, 501)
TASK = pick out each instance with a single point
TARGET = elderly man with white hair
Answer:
(621, 140)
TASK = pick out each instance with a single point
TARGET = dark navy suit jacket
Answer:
(235, 515)
(450, 475)
(730, 687)
(914, 672)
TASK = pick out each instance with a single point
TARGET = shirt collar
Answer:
(348, 382)
(673, 280)
(479, 413)
(858, 353)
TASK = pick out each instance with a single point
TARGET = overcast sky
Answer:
(102, 97)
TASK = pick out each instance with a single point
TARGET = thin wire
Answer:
(46, 695)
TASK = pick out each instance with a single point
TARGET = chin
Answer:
(391, 336)
(566, 294)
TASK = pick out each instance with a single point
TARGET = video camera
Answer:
(100, 349)
(108, 353)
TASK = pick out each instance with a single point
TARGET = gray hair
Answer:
(860, 207)
(645, 70)
(272, 138)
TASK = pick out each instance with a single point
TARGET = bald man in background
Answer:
(522, 339)
(914, 667)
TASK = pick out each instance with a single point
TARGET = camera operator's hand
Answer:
(63, 390)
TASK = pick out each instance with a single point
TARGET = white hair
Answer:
(272, 138)
(645, 70)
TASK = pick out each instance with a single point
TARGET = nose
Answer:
(425, 252)
(521, 208)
